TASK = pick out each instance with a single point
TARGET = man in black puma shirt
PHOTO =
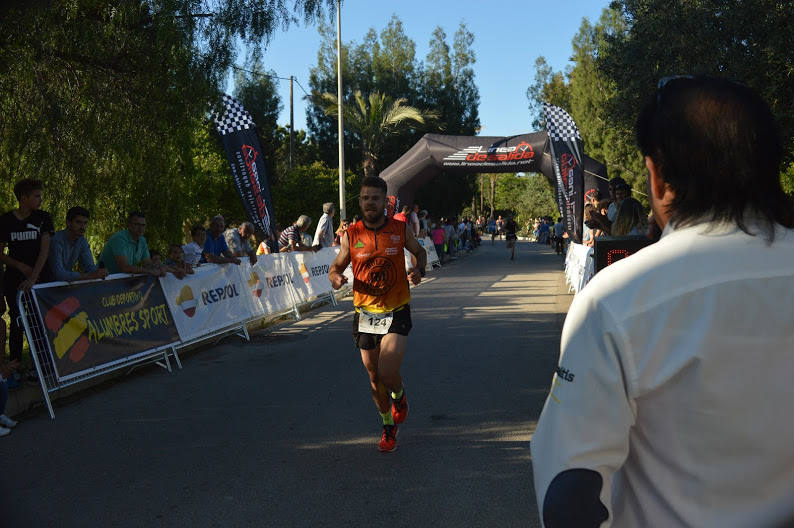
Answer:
(26, 232)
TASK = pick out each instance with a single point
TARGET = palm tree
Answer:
(373, 119)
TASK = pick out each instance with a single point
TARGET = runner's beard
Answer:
(373, 217)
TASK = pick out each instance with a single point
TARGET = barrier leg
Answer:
(176, 357)
(243, 333)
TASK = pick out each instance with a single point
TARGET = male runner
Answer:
(381, 296)
(510, 228)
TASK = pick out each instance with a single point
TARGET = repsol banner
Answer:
(100, 323)
(271, 284)
(311, 271)
(214, 297)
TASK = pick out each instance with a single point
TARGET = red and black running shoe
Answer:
(399, 409)
(388, 441)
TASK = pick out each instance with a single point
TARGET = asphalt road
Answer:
(282, 431)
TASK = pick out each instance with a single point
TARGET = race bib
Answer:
(374, 323)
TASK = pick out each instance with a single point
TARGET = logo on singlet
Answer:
(378, 276)
(359, 244)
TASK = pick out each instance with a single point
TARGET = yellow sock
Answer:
(397, 395)
(387, 419)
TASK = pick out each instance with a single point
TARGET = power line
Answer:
(274, 76)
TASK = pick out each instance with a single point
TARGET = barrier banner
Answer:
(579, 266)
(215, 297)
(432, 256)
(311, 272)
(99, 323)
(270, 284)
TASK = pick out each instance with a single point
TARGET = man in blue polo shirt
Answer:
(69, 247)
(126, 251)
(216, 250)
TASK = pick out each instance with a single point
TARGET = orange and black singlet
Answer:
(380, 282)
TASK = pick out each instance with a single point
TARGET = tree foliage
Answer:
(619, 60)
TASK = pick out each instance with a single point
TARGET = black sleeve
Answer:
(4, 228)
(573, 499)
(46, 223)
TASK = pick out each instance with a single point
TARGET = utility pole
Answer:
(291, 123)
(342, 209)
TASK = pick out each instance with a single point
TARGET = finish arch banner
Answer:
(215, 297)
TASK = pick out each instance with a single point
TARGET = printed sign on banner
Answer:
(100, 323)
(215, 297)
(271, 284)
(432, 256)
(311, 278)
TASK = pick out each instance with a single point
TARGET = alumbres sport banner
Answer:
(244, 153)
(566, 151)
(94, 324)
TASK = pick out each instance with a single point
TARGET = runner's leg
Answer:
(392, 351)
(380, 393)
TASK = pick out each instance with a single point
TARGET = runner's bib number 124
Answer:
(374, 323)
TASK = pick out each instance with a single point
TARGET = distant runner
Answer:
(510, 236)
(381, 296)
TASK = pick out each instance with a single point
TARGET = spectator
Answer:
(424, 223)
(593, 196)
(630, 220)
(439, 239)
(6, 372)
(216, 251)
(343, 225)
(238, 241)
(290, 239)
(26, 231)
(559, 230)
(69, 247)
(269, 244)
(413, 220)
(588, 229)
(176, 261)
(618, 190)
(671, 400)
(156, 258)
(543, 232)
(194, 250)
(324, 234)
(126, 251)
(402, 216)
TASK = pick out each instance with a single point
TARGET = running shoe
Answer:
(7, 422)
(388, 441)
(399, 409)
(4, 431)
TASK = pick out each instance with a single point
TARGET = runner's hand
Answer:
(337, 280)
(415, 276)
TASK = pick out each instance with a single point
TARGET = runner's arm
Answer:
(340, 263)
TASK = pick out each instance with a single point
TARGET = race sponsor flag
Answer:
(566, 154)
(244, 153)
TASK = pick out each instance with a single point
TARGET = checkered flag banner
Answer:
(233, 118)
(560, 125)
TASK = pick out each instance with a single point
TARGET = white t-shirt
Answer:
(192, 253)
(674, 383)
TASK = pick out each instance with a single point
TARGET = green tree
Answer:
(448, 82)
(747, 41)
(374, 119)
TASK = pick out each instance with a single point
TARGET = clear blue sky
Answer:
(508, 37)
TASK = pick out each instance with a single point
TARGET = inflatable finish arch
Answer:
(436, 153)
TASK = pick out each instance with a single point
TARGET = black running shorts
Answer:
(400, 324)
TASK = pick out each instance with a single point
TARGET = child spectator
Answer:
(176, 260)
(194, 250)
